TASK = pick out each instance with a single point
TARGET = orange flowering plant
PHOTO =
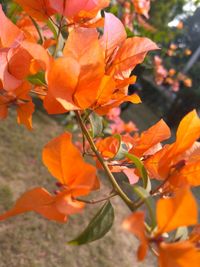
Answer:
(75, 58)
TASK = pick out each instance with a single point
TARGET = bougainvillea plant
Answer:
(77, 58)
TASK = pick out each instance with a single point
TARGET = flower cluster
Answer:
(74, 59)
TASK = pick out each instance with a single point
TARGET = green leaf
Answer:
(37, 79)
(12, 9)
(122, 150)
(142, 171)
(98, 227)
(149, 202)
(97, 124)
(52, 28)
(129, 32)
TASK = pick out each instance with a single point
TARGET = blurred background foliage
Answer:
(172, 22)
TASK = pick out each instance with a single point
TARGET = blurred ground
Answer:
(31, 241)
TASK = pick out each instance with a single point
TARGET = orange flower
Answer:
(135, 224)
(75, 79)
(179, 254)
(78, 80)
(17, 56)
(187, 82)
(173, 46)
(21, 100)
(171, 72)
(180, 25)
(122, 54)
(150, 139)
(170, 52)
(15, 46)
(141, 146)
(12, 71)
(160, 71)
(176, 210)
(108, 146)
(76, 178)
(79, 11)
(142, 7)
(175, 162)
(187, 52)
(39, 9)
(10, 52)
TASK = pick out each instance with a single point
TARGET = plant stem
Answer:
(96, 201)
(58, 37)
(111, 178)
(38, 93)
(38, 30)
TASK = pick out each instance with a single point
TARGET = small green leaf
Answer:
(140, 196)
(98, 227)
(142, 171)
(122, 150)
(97, 124)
(37, 79)
(149, 202)
(52, 28)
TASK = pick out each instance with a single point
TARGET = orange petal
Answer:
(135, 224)
(114, 34)
(189, 173)
(65, 163)
(188, 132)
(9, 32)
(24, 114)
(79, 9)
(52, 105)
(195, 234)
(38, 200)
(131, 53)
(39, 9)
(104, 109)
(125, 81)
(142, 7)
(108, 146)
(62, 81)
(179, 254)
(154, 135)
(152, 163)
(9, 81)
(173, 212)
(83, 45)
(15, 66)
(106, 88)
(38, 53)
(66, 205)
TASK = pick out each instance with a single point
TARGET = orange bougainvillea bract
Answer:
(73, 183)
